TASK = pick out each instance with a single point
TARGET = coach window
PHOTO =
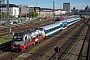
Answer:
(48, 30)
(60, 25)
(55, 27)
(52, 29)
(45, 31)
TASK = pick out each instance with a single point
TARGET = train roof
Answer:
(24, 32)
(64, 20)
(71, 19)
(21, 33)
(50, 26)
(32, 30)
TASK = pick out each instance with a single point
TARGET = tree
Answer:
(34, 14)
(12, 16)
(19, 15)
(3, 15)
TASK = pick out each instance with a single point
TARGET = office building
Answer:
(13, 9)
(67, 7)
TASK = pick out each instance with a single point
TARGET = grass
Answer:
(19, 58)
(36, 48)
(47, 54)
(5, 39)
(49, 19)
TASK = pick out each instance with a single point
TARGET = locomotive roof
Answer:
(32, 30)
(21, 33)
(24, 32)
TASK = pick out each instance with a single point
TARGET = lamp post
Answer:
(36, 3)
(7, 19)
(53, 10)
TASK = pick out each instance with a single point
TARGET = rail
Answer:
(5, 46)
(85, 39)
(88, 50)
(68, 45)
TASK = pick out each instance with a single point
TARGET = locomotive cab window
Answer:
(18, 38)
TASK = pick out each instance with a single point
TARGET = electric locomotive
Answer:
(22, 40)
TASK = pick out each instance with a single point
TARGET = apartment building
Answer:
(13, 9)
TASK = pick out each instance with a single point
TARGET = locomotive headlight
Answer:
(36, 39)
(20, 43)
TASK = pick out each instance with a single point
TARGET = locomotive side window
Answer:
(26, 38)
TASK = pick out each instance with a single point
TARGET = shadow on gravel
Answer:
(5, 47)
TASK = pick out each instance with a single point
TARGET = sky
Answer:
(79, 4)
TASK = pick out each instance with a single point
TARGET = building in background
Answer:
(25, 9)
(67, 7)
(42, 12)
(13, 9)
(84, 12)
(2, 2)
(46, 12)
(75, 11)
(59, 11)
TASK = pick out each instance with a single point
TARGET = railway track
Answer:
(66, 45)
(66, 52)
(41, 51)
(36, 55)
(88, 50)
(6, 47)
(85, 51)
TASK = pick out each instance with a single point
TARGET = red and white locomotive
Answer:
(22, 40)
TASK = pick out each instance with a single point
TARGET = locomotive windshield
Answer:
(17, 38)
